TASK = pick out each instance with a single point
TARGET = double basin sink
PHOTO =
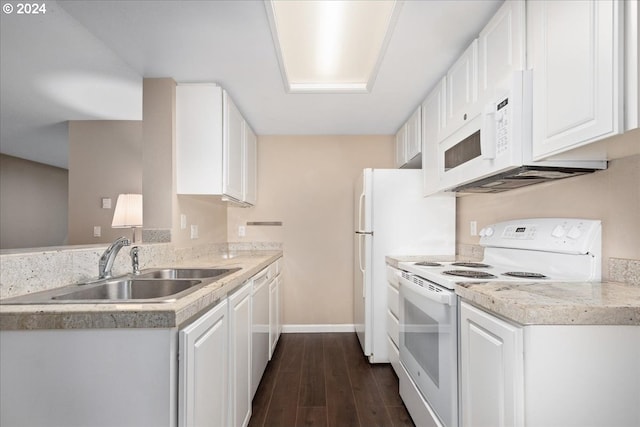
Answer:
(157, 285)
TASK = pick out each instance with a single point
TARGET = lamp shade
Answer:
(128, 211)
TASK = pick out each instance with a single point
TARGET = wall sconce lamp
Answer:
(128, 213)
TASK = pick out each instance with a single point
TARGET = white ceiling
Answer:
(86, 60)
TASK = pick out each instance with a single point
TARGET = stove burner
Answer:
(471, 264)
(428, 264)
(525, 275)
(470, 273)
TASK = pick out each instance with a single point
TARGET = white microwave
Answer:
(493, 152)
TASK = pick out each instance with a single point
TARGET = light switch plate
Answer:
(106, 203)
(97, 231)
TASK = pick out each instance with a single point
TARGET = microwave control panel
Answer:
(502, 126)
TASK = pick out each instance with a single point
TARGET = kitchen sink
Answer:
(130, 289)
(185, 273)
(151, 286)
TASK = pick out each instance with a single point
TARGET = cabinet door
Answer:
(250, 184)
(240, 355)
(491, 370)
(632, 65)
(414, 135)
(462, 91)
(501, 48)
(203, 385)
(274, 315)
(401, 146)
(232, 151)
(260, 329)
(430, 128)
(576, 61)
(199, 136)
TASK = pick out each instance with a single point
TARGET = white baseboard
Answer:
(318, 328)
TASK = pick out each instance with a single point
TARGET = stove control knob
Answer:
(574, 233)
(482, 232)
(488, 231)
(559, 231)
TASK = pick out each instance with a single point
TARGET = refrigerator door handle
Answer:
(360, 210)
(360, 250)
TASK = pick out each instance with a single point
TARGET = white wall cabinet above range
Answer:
(215, 146)
(575, 49)
(409, 142)
(461, 96)
(501, 51)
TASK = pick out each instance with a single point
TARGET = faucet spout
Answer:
(109, 256)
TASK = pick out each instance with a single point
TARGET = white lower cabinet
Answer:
(240, 355)
(547, 375)
(393, 324)
(202, 384)
(275, 326)
(491, 370)
(200, 375)
(260, 328)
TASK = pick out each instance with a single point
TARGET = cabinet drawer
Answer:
(393, 328)
(393, 300)
(394, 355)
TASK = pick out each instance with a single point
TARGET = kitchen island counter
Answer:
(141, 315)
(557, 303)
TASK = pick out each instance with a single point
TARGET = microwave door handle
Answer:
(488, 133)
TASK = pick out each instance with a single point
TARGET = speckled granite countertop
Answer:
(144, 315)
(551, 303)
(557, 303)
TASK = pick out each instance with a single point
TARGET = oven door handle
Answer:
(442, 297)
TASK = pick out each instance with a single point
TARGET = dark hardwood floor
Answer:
(324, 380)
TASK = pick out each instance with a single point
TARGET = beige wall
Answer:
(33, 204)
(162, 206)
(307, 183)
(612, 195)
(105, 159)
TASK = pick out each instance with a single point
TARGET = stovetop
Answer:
(447, 274)
(534, 250)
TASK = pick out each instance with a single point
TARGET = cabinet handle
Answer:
(465, 116)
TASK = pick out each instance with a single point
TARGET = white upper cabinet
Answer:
(461, 101)
(575, 51)
(401, 144)
(232, 150)
(409, 142)
(414, 135)
(250, 178)
(430, 129)
(501, 46)
(632, 65)
(215, 147)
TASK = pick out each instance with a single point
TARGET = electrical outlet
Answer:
(183, 222)
(97, 231)
(194, 231)
(242, 231)
(473, 228)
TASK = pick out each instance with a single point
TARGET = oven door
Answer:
(429, 342)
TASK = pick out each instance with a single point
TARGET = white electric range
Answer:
(525, 250)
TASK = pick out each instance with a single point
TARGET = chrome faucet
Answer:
(109, 256)
(135, 262)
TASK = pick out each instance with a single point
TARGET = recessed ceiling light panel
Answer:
(331, 45)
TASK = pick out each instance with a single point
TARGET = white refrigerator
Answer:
(392, 217)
